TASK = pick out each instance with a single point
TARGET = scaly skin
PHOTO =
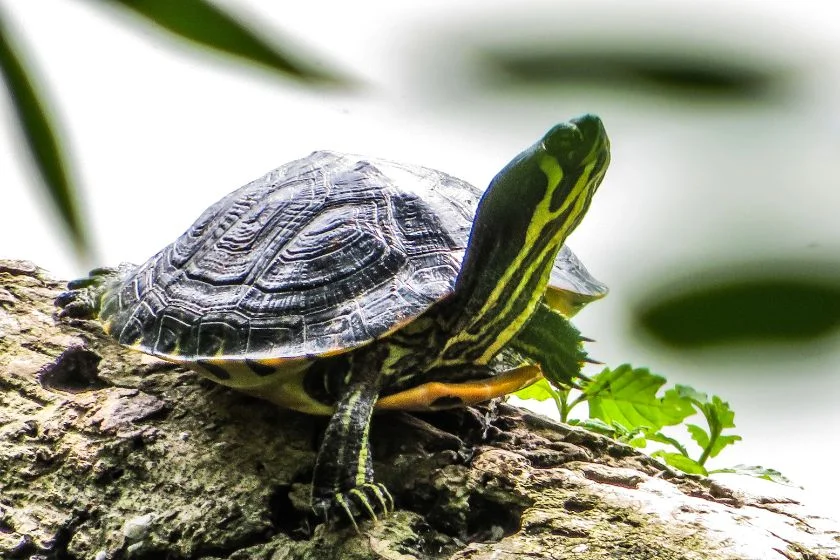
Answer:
(445, 356)
(522, 221)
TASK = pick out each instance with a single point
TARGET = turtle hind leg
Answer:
(343, 483)
(83, 296)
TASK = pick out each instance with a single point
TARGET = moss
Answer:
(147, 462)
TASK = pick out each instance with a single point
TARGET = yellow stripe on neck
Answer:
(521, 266)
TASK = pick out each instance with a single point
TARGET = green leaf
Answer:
(618, 432)
(539, 391)
(659, 437)
(719, 417)
(595, 425)
(757, 472)
(681, 462)
(206, 24)
(699, 435)
(39, 132)
(688, 392)
(638, 441)
(724, 415)
(628, 397)
(721, 442)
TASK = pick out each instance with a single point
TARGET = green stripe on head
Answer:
(524, 217)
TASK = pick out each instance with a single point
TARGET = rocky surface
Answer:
(110, 454)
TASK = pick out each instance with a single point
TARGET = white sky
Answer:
(160, 131)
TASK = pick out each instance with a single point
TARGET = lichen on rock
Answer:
(110, 454)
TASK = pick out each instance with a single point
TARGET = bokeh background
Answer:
(717, 228)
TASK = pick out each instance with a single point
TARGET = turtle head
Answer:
(543, 193)
(522, 220)
(537, 200)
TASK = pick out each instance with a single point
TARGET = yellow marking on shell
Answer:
(283, 388)
(330, 352)
(106, 326)
(521, 265)
(289, 393)
(561, 301)
(565, 302)
(277, 362)
(422, 397)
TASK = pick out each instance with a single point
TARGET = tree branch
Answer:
(110, 454)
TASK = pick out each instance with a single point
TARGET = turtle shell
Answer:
(319, 256)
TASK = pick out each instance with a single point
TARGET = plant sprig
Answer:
(628, 404)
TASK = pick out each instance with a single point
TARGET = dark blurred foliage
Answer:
(207, 25)
(196, 21)
(769, 304)
(728, 308)
(672, 72)
(36, 124)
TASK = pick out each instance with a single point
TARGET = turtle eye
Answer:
(576, 143)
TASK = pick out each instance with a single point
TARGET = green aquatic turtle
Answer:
(338, 285)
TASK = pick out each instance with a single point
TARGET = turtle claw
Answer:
(367, 499)
(81, 300)
(76, 303)
(77, 310)
(65, 298)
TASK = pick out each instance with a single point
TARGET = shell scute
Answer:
(317, 257)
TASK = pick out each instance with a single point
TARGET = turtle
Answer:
(341, 285)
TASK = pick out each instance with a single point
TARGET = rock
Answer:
(107, 453)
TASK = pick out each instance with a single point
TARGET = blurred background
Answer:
(716, 228)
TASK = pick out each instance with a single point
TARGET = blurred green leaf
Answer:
(619, 432)
(628, 396)
(744, 308)
(681, 462)
(757, 472)
(41, 139)
(208, 25)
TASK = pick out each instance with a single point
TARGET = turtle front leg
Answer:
(343, 479)
(82, 298)
(553, 342)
